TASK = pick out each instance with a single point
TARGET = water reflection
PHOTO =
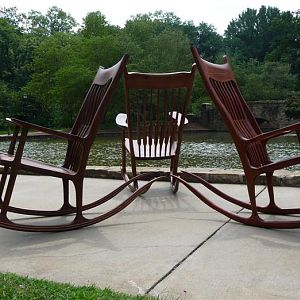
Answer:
(203, 150)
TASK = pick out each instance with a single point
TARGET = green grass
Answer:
(14, 287)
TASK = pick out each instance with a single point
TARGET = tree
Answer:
(59, 21)
(140, 29)
(168, 18)
(16, 50)
(15, 55)
(55, 20)
(266, 35)
(208, 42)
(70, 86)
(161, 40)
(286, 41)
(54, 53)
(9, 42)
(11, 15)
(64, 66)
(8, 103)
(37, 24)
(166, 52)
(264, 80)
(144, 26)
(94, 24)
(249, 36)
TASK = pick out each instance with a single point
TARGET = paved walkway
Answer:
(162, 244)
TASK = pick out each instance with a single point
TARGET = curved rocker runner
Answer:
(253, 218)
(77, 222)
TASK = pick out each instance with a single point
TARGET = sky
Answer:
(216, 12)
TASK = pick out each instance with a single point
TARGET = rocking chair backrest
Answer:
(156, 106)
(91, 113)
(224, 91)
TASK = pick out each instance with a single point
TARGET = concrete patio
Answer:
(162, 244)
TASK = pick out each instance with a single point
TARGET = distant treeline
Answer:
(47, 62)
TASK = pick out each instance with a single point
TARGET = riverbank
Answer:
(212, 175)
(218, 172)
(192, 127)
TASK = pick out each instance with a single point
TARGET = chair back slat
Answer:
(232, 101)
(145, 127)
(223, 89)
(150, 118)
(84, 121)
(157, 126)
(150, 129)
(91, 114)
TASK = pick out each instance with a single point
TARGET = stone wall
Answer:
(270, 115)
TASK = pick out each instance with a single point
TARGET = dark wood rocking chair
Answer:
(250, 142)
(156, 107)
(79, 140)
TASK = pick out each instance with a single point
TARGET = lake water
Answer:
(203, 150)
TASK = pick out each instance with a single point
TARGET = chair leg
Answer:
(254, 219)
(79, 207)
(66, 200)
(3, 181)
(8, 194)
(174, 171)
(134, 186)
(272, 207)
(134, 173)
(123, 168)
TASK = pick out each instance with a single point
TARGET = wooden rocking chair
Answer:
(156, 107)
(79, 140)
(250, 142)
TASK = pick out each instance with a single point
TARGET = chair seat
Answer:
(28, 164)
(152, 151)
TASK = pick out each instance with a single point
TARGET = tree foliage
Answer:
(47, 61)
(208, 41)
(266, 35)
(251, 35)
(264, 80)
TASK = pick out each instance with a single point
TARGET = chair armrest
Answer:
(27, 125)
(177, 117)
(121, 120)
(275, 133)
